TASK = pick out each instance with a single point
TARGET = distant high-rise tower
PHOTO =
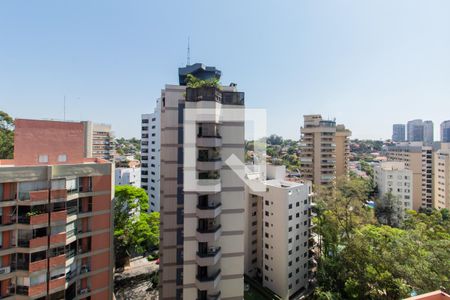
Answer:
(415, 131)
(324, 150)
(428, 132)
(445, 131)
(398, 132)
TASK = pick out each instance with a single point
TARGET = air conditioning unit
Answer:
(84, 291)
(5, 270)
(212, 249)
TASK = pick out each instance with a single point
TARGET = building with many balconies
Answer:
(202, 199)
(56, 216)
(324, 150)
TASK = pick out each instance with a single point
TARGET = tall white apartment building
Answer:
(278, 238)
(150, 156)
(419, 159)
(128, 176)
(202, 198)
(393, 177)
(442, 177)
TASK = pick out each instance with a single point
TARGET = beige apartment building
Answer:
(202, 198)
(419, 159)
(324, 150)
(442, 177)
(278, 250)
(99, 141)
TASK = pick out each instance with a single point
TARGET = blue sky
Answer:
(367, 63)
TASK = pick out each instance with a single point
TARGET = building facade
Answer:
(415, 131)
(99, 141)
(398, 133)
(442, 177)
(278, 250)
(128, 176)
(202, 199)
(445, 132)
(394, 178)
(324, 150)
(419, 159)
(56, 216)
(428, 132)
(151, 156)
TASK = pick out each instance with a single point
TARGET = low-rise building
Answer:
(128, 176)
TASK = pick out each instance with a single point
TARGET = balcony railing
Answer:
(203, 94)
(205, 278)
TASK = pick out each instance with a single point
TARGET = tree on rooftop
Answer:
(6, 136)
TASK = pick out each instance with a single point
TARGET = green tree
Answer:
(389, 210)
(194, 82)
(6, 136)
(135, 230)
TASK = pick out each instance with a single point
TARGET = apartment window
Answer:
(297, 215)
(297, 259)
(290, 240)
(266, 235)
(290, 276)
(266, 245)
(297, 237)
(266, 224)
(290, 286)
(266, 213)
(290, 252)
(267, 202)
(62, 158)
(290, 218)
(297, 248)
(266, 278)
(266, 267)
(145, 121)
(290, 263)
(297, 226)
(43, 158)
(290, 229)
(305, 212)
(290, 206)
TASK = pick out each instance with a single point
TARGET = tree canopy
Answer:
(135, 230)
(362, 259)
(6, 136)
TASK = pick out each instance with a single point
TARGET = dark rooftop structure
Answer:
(198, 70)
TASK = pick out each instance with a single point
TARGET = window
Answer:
(297, 204)
(290, 229)
(290, 206)
(43, 158)
(62, 158)
(290, 218)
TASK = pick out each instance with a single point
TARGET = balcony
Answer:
(58, 216)
(209, 234)
(209, 258)
(209, 282)
(209, 211)
(203, 94)
(34, 218)
(35, 243)
(59, 238)
(209, 141)
(39, 265)
(34, 196)
(57, 260)
(209, 163)
(57, 283)
(58, 194)
(32, 291)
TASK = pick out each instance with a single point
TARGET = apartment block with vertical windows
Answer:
(442, 177)
(393, 177)
(56, 216)
(99, 141)
(324, 150)
(202, 199)
(150, 156)
(278, 250)
(419, 159)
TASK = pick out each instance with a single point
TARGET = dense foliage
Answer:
(135, 230)
(280, 151)
(194, 82)
(361, 259)
(6, 136)
(128, 146)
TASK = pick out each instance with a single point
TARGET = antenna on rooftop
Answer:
(189, 52)
(64, 107)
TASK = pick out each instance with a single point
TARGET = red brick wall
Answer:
(101, 183)
(100, 241)
(99, 261)
(101, 296)
(101, 202)
(100, 280)
(35, 137)
(101, 222)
